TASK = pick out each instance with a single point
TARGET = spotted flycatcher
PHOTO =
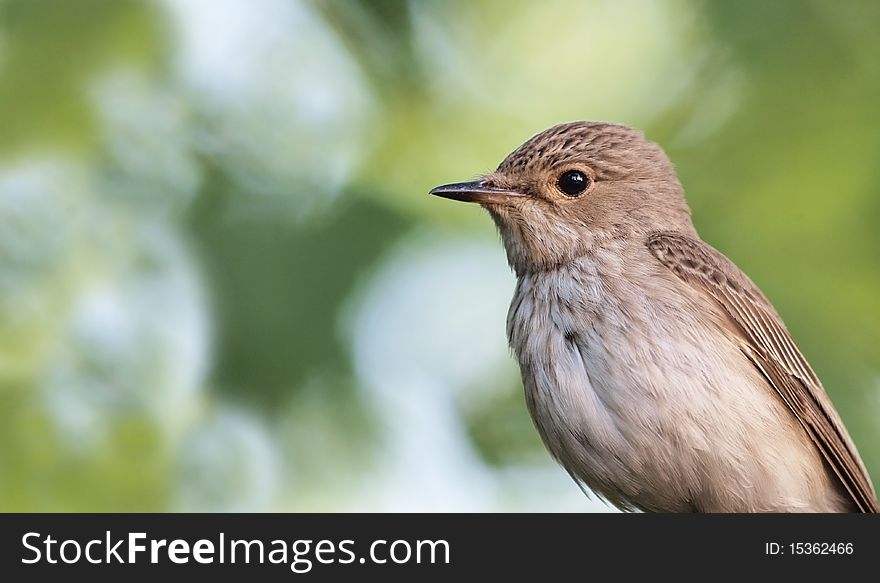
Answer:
(656, 372)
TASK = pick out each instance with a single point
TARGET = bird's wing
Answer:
(768, 345)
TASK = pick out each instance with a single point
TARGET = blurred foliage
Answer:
(261, 264)
(50, 48)
(204, 205)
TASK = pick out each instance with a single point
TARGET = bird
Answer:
(656, 372)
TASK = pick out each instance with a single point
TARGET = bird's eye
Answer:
(573, 183)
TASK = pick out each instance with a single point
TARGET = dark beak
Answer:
(476, 191)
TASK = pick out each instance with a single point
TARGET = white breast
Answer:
(640, 393)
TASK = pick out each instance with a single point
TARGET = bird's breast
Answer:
(637, 390)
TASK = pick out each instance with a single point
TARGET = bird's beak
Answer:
(476, 191)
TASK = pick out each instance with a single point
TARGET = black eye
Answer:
(573, 183)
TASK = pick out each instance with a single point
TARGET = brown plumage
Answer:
(656, 372)
(767, 343)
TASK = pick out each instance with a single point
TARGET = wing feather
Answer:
(769, 346)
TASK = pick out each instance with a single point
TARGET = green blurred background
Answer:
(223, 285)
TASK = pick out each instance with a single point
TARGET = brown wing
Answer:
(771, 349)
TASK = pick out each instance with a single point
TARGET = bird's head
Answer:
(570, 188)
